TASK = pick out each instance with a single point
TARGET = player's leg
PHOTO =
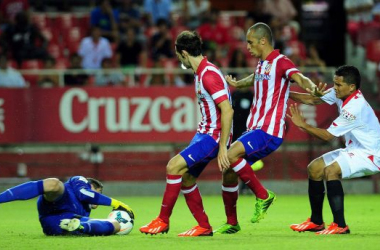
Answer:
(348, 164)
(93, 227)
(316, 189)
(199, 153)
(316, 193)
(193, 199)
(52, 188)
(230, 194)
(176, 167)
(254, 145)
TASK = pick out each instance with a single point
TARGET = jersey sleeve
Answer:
(347, 121)
(214, 85)
(329, 97)
(84, 193)
(287, 68)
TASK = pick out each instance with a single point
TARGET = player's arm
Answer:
(305, 83)
(85, 194)
(227, 114)
(298, 120)
(243, 83)
(305, 98)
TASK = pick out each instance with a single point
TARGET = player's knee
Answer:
(173, 167)
(52, 185)
(315, 170)
(330, 173)
(188, 180)
(230, 177)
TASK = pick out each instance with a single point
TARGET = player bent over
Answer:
(360, 127)
(265, 123)
(64, 208)
(211, 140)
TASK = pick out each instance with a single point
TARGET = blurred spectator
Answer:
(313, 59)
(161, 43)
(282, 10)
(103, 78)
(129, 16)
(94, 49)
(75, 79)
(215, 36)
(238, 60)
(259, 15)
(195, 12)
(107, 19)
(9, 9)
(158, 9)
(24, 40)
(130, 52)
(9, 77)
(241, 103)
(48, 80)
(359, 10)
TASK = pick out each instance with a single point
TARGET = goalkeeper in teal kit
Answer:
(64, 208)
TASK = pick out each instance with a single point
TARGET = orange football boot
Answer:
(335, 229)
(197, 231)
(307, 226)
(156, 226)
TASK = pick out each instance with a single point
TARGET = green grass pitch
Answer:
(20, 229)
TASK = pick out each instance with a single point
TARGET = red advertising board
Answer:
(113, 115)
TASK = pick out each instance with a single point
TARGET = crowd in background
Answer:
(129, 34)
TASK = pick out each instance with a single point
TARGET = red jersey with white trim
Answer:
(357, 122)
(211, 89)
(271, 93)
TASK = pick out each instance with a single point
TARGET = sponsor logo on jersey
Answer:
(260, 77)
(347, 115)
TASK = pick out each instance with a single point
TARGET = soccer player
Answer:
(211, 140)
(265, 123)
(360, 127)
(64, 208)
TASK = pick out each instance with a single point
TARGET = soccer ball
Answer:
(126, 222)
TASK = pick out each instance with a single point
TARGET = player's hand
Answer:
(296, 116)
(118, 205)
(319, 90)
(223, 161)
(231, 80)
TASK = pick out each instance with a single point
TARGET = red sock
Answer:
(173, 187)
(194, 202)
(246, 174)
(230, 196)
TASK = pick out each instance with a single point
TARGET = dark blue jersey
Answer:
(76, 199)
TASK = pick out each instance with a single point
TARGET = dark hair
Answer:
(350, 74)
(189, 41)
(262, 30)
(97, 184)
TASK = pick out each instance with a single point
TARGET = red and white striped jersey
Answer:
(211, 89)
(271, 93)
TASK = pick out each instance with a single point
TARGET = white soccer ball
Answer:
(126, 222)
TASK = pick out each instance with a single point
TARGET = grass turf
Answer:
(20, 229)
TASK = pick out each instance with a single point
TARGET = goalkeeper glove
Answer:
(118, 205)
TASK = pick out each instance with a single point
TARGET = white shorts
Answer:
(353, 162)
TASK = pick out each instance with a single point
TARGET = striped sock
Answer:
(194, 202)
(230, 195)
(173, 187)
(246, 174)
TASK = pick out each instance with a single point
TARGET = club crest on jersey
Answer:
(347, 115)
(268, 68)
